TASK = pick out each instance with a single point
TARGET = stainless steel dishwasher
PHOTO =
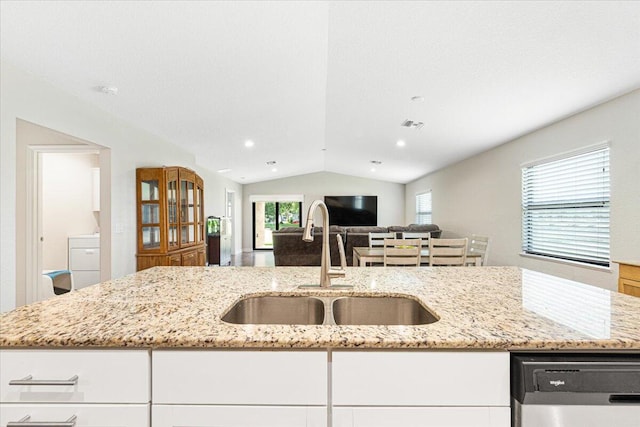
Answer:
(575, 390)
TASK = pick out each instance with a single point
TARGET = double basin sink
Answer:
(320, 310)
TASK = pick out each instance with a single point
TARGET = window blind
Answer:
(423, 208)
(565, 208)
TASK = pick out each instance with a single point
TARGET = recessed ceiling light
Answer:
(224, 170)
(271, 162)
(274, 170)
(375, 162)
(373, 169)
(400, 143)
(249, 143)
(417, 98)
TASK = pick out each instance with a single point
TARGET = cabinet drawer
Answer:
(104, 376)
(86, 415)
(421, 378)
(630, 272)
(84, 259)
(629, 287)
(423, 417)
(240, 377)
(238, 416)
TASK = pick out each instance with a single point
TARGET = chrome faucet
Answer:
(326, 272)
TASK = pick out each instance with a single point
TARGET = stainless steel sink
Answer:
(308, 310)
(380, 311)
(277, 310)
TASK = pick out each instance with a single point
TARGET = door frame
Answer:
(277, 212)
(34, 211)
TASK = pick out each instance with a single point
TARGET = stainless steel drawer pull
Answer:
(28, 380)
(24, 422)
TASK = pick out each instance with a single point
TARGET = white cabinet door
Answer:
(238, 416)
(406, 378)
(422, 417)
(227, 377)
(103, 376)
(86, 415)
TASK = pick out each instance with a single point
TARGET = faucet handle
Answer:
(343, 259)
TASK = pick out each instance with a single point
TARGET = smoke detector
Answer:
(271, 162)
(411, 124)
(109, 90)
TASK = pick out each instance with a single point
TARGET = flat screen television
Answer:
(352, 210)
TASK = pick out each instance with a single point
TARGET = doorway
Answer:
(269, 216)
(35, 143)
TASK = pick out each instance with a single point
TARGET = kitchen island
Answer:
(161, 329)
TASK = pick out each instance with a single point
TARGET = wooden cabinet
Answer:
(629, 278)
(170, 217)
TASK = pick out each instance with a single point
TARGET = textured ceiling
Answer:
(325, 85)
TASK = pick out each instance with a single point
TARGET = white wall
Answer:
(23, 96)
(482, 194)
(317, 185)
(67, 203)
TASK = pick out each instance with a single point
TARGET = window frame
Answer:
(597, 210)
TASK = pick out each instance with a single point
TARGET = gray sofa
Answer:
(290, 250)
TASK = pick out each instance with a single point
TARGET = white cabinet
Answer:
(452, 416)
(239, 388)
(84, 260)
(238, 416)
(98, 387)
(98, 415)
(416, 388)
(240, 377)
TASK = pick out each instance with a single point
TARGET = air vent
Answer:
(411, 124)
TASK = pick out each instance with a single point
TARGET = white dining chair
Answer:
(450, 252)
(478, 245)
(402, 252)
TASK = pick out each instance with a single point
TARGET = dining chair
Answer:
(376, 240)
(424, 237)
(402, 252)
(478, 245)
(451, 252)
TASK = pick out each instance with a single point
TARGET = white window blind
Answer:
(423, 208)
(565, 208)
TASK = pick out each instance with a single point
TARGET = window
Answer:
(565, 208)
(423, 208)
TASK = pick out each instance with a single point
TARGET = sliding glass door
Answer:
(271, 216)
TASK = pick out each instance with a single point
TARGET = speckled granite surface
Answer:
(479, 308)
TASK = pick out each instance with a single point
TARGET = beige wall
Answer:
(317, 185)
(483, 195)
(25, 97)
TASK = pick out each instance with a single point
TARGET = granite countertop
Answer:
(478, 307)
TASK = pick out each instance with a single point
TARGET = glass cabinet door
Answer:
(150, 213)
(172, 208)
(200, 220)
(187, 212)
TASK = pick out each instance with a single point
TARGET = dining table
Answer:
(365, 254)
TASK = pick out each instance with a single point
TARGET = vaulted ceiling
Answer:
(323, 85)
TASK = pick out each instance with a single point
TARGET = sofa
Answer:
(290, 250)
